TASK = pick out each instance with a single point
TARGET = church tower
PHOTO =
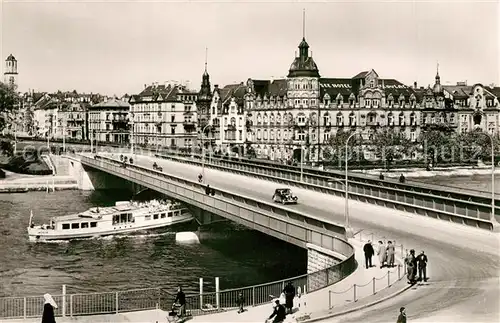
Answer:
(204, 98)
(10, 74)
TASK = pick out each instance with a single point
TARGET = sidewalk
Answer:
(371, 285)
(336, 298)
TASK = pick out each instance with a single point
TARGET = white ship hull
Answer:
(108, 222)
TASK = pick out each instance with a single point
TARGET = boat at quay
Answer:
(123, 217)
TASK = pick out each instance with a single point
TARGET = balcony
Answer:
(189, 124)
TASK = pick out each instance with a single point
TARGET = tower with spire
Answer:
(10, 74)
(438, 88)
(303, 94)
(204, 97)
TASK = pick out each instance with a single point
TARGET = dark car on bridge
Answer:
(157, 168)
(284, 196)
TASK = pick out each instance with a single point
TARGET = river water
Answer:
(468, 182)
(237, 255)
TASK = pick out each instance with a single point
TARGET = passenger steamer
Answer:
(124, 217)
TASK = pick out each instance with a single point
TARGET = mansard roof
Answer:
(274, 88)
(160, 92)
(233, 90)
(458, 91)
(347, 86)
(112, 103)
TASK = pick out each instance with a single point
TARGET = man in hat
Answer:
(369, 252)
(279, 313)
(289, 292)
(402, 315)
(422, 266)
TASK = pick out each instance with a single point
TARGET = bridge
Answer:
(471, 278)
(324, 239)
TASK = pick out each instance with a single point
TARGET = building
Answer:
(72, 121)
(165, 115)
(108, 121)
(303, 110)
(203, 106)
(10, 75)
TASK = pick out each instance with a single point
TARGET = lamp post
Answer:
(132, 133)
(301, 163)
(203, 154)
(492, 216)
(348, 228)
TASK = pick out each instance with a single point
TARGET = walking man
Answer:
(369, 252)
(382, 253)
(279, 313)
(391, 250)
(402, 315)
(422, 266)
(289, 292)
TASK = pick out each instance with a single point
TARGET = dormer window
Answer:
(372, 83)
(339, 101)
(368, 102)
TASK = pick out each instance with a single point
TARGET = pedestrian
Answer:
(381, 176)
(422, 266)
(369, 252)
(391, 250)
(48, 309)
(411, 267)
(241, 302)
(181, 300)
(402, 315)
(279, 313)
(289, 292)
(382, 253)
(402, 178)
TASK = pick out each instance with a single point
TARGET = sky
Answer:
(115, 47)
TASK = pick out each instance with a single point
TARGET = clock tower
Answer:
(10, 74)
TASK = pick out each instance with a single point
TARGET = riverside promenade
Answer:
(373, 285)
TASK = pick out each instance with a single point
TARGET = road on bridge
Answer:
(463, 261)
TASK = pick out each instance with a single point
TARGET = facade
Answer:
(72, 121)
(10, 75)
(165, 115)
(108, 121)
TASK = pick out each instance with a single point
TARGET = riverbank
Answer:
(17, 183)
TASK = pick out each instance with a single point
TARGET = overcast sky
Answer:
(115, 47)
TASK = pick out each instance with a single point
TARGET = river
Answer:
(237, 255)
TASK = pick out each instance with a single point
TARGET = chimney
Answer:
(415, 85)
(145, 86)
(216, 86)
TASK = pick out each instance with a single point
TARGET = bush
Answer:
(34, 166)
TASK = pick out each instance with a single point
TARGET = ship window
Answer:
(75, 225)
(123, 218)
(116, 219)
(170, 214)
(130, 219)
(93, 224)
(84, 225)
(147, 217)
(65, 226)
(155, 217)
(163, 215)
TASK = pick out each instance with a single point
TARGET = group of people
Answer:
(385, 254)
(413, 263)
(280, 311)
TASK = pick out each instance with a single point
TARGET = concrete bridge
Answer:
(324, 239)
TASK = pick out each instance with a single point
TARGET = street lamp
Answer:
(203, 154)
(492, 216)
(301, 163)
(348, 229)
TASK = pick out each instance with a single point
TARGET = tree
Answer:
(334, 150)
(437, 146)
(9, 100)
(475, 145)
(390, 145)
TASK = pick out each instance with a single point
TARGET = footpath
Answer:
(361, 289)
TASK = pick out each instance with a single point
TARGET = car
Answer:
(284, 196)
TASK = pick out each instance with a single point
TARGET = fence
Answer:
(152, 298)
(374, 285)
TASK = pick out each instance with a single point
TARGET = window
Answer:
(339, 119)
(147, 217)
(271, 134)
(93, 224)
(172, 118)
(84, 225)
(352, 120)
(278, 134)
(368, 103)
(326, 136)
(155, 217)
(413, 136)
(258, 134)
(65, 226)
(240, 134)
(313, 102)
(172, 130)
(265, 134)
(170, 214)
(75, 225)
(301, 119)
(326, 120)
(301, 135)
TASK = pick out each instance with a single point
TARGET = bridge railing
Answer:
(460, 209)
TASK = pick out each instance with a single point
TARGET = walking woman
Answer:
(48, 309)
